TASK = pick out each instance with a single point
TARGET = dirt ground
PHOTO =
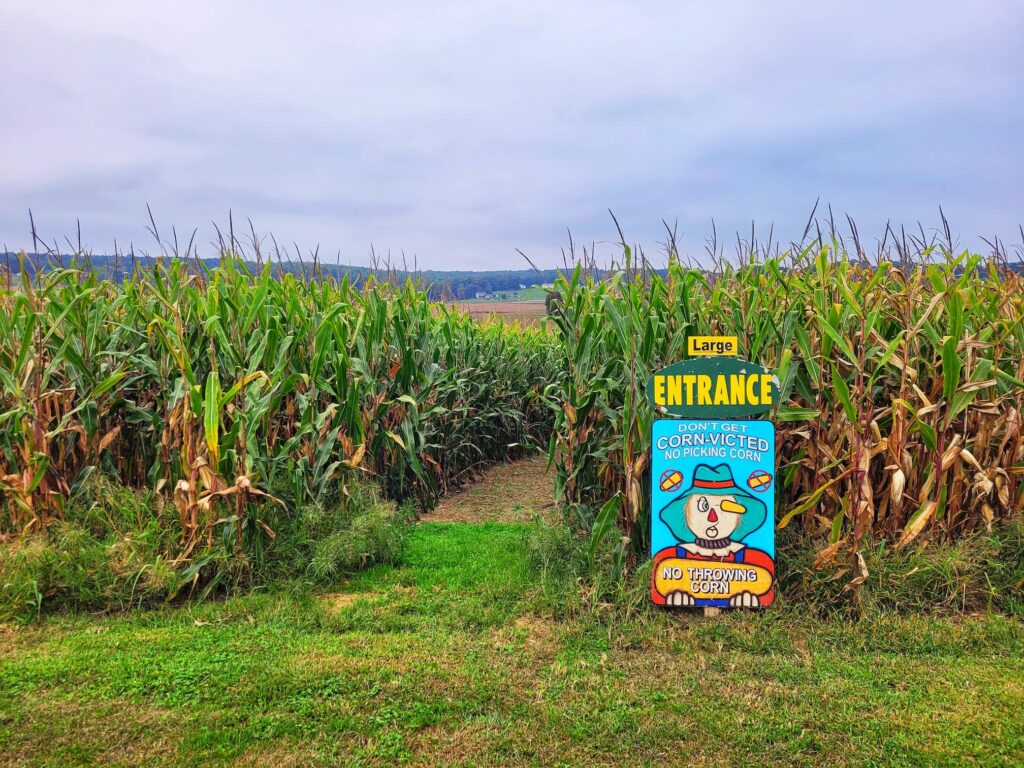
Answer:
(507, 493)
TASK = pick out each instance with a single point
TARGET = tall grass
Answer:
(238, 397)
(901, 387)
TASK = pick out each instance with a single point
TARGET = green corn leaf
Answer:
(603, 524)
(211, 416)
(843, 393)
(837, 338)
(951, 366)
(788, 413)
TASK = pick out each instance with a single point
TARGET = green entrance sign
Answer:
(713, 388)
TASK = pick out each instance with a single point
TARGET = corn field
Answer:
(238, 396)
(901, 388)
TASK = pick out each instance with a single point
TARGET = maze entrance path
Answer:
(507, 493)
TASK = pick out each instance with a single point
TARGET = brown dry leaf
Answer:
(989, 515)
(917, 524)
(861, 577)
(634, 497)
(108, 438)
(570, 412)
(896, 487)
(1002, 489)
(640, 464)
(827, 556)
(949, 456)
(967, 456)
(357, 457)
(974, 386)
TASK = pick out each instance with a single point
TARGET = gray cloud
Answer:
(461, 131)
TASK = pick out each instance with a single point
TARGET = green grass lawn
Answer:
(444, 660)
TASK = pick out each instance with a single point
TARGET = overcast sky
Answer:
(459, 132)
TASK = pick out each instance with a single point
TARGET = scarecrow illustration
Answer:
(710, 519)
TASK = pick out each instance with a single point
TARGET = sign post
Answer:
(712, 482)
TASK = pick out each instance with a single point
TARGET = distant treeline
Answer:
(440, 284)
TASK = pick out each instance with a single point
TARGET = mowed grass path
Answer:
(444, 661)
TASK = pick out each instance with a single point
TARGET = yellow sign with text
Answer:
(709, 579)
(713, 388)
(701, 389)
(713, 346)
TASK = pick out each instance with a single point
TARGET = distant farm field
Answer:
(526, 313)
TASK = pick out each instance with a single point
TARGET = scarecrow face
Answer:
(713, 516)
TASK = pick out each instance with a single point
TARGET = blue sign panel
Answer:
(713, 513)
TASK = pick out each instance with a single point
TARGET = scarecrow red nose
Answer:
(713, 516)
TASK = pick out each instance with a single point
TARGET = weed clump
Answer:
(328, 542)
(980, 573)
(582, 572)
(114, 549)
(983, 572)
(108, 551)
